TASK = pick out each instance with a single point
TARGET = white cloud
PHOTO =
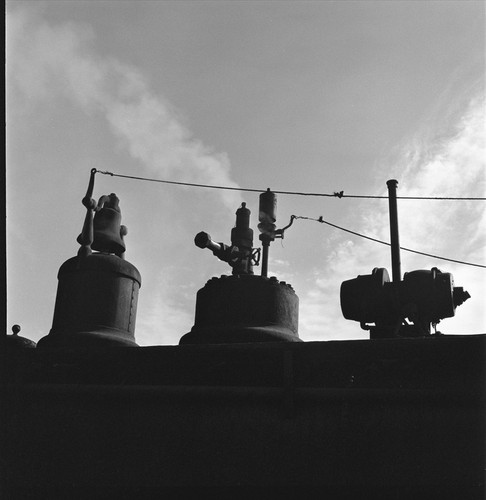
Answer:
(452, 164)
(45, 61)
(51, 65)
(56, 67)
(163, 316)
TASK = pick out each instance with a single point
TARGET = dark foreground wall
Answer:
(352, 419)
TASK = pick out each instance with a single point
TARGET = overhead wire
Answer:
(321, 220)
(339, 194)
(336, 194)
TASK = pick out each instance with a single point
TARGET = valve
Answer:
(267, 227)
(224, 252)
(103, 232)
(239, 255)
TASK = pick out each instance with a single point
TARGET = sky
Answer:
(301, 96)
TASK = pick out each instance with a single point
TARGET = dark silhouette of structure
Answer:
(97, 294)
(407, 308)
(242, 406)
(244, 307)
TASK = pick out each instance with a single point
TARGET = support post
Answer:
(394, 240)
(265, 248)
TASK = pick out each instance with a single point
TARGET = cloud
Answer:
(453, 165)
(57, 67)
(163, 316)
(45, 61)
(54, 66)
(439, 161)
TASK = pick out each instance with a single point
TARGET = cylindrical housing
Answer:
(106, 231)
(243, 216)
(234, 309)
(432, 293)
(268, 207)
(203, 240)
(242, 234)
(96, 303)
(365, 298)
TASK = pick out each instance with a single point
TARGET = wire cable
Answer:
(336, 194)
(321, 220)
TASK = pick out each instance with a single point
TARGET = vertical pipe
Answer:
(395, 243)
(265, 247)
(86, 237)
(267, 218)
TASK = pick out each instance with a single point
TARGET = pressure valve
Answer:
(239, 255)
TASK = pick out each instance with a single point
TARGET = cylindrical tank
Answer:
(246, 308)
(96, 303)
